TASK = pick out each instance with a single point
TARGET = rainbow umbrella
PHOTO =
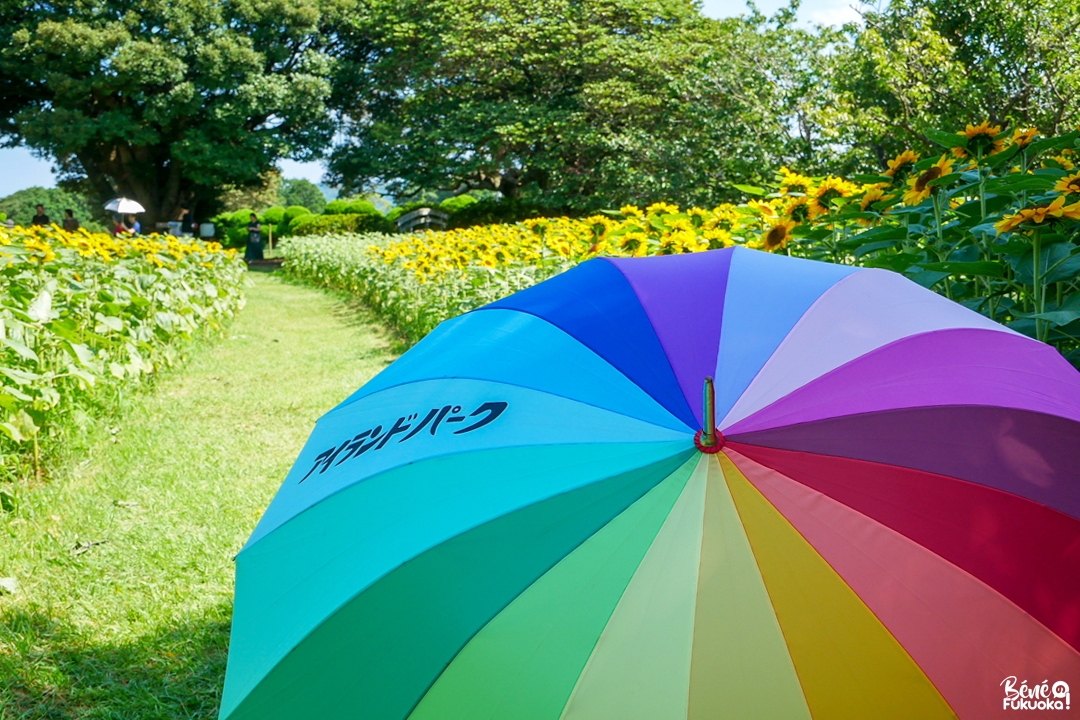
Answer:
(521, 519)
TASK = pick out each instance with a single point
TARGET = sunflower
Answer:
(778, 235)
(662, 208)
(830, 188)
(766, 208)
(873, 194)
(724, 217)
(1063, 161)
(917, 186)
(1023, 136)
(791, 182)
(980, 140)
(1038, 214)
(798, 209)
(1069, 185)
(902, 163)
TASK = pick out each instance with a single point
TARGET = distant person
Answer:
(120, 228)
(254, 249)
(70, 223)
(187, 222)
(40, 218)
(134, 226)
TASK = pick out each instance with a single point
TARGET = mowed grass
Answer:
(123, 558)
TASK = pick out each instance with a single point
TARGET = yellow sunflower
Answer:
(766, 208)
(1063, 161)
(902, 163)
(980, 139)
(792, 182)
(778, 235)
(1039, 214)
(830, 188)
(917, 186)
(1070, 185)
(798, 209)
(873, 194)
(1023, 136)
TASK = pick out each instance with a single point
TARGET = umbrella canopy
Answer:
(520, 518)
(124, 206)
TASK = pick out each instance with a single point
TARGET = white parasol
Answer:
(124, 206)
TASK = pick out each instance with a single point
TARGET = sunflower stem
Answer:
(1036, 250)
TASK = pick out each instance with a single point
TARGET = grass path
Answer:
(137, 626)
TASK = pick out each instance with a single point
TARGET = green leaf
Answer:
(1055, 317)
(66, 328)
(21, 377)
(872, 179)
(947, 139)
(1054, 143)
(41, 308)
(980, 269)
(750, 189)
(81, 352)
(945, 180)
(1017, 182)
(874, 246)
(108, 322)
(928, 278)
(23, 351)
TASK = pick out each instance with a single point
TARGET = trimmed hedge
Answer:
(329, 224)
(353, 206)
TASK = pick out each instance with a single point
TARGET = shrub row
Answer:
(83, 315)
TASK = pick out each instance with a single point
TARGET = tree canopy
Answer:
(166, 102)
(582, 102)
(570, 104)
(299, 191)
(20, 206)
(919, 65)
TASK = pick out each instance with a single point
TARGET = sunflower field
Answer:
(83, 315)
(991, 220)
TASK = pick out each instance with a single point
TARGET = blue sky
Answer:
(20, 169)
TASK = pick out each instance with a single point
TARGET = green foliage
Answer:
(998, 232)
(302, 192)
(19, 206)
(273, 215)
(570, 103)
(241, 217)
(457, 203)
(352, 223)
(167, 103)
(84, 318)
(413, 308)
(294, 211)
(924, 64)
(488, 212)
(173, 481)
(350, 206)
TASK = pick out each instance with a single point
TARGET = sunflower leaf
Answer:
(947, 139)
(979, 268)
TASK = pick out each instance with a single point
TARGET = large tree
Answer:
(940, 64)
(578, 103)
(166, 101)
